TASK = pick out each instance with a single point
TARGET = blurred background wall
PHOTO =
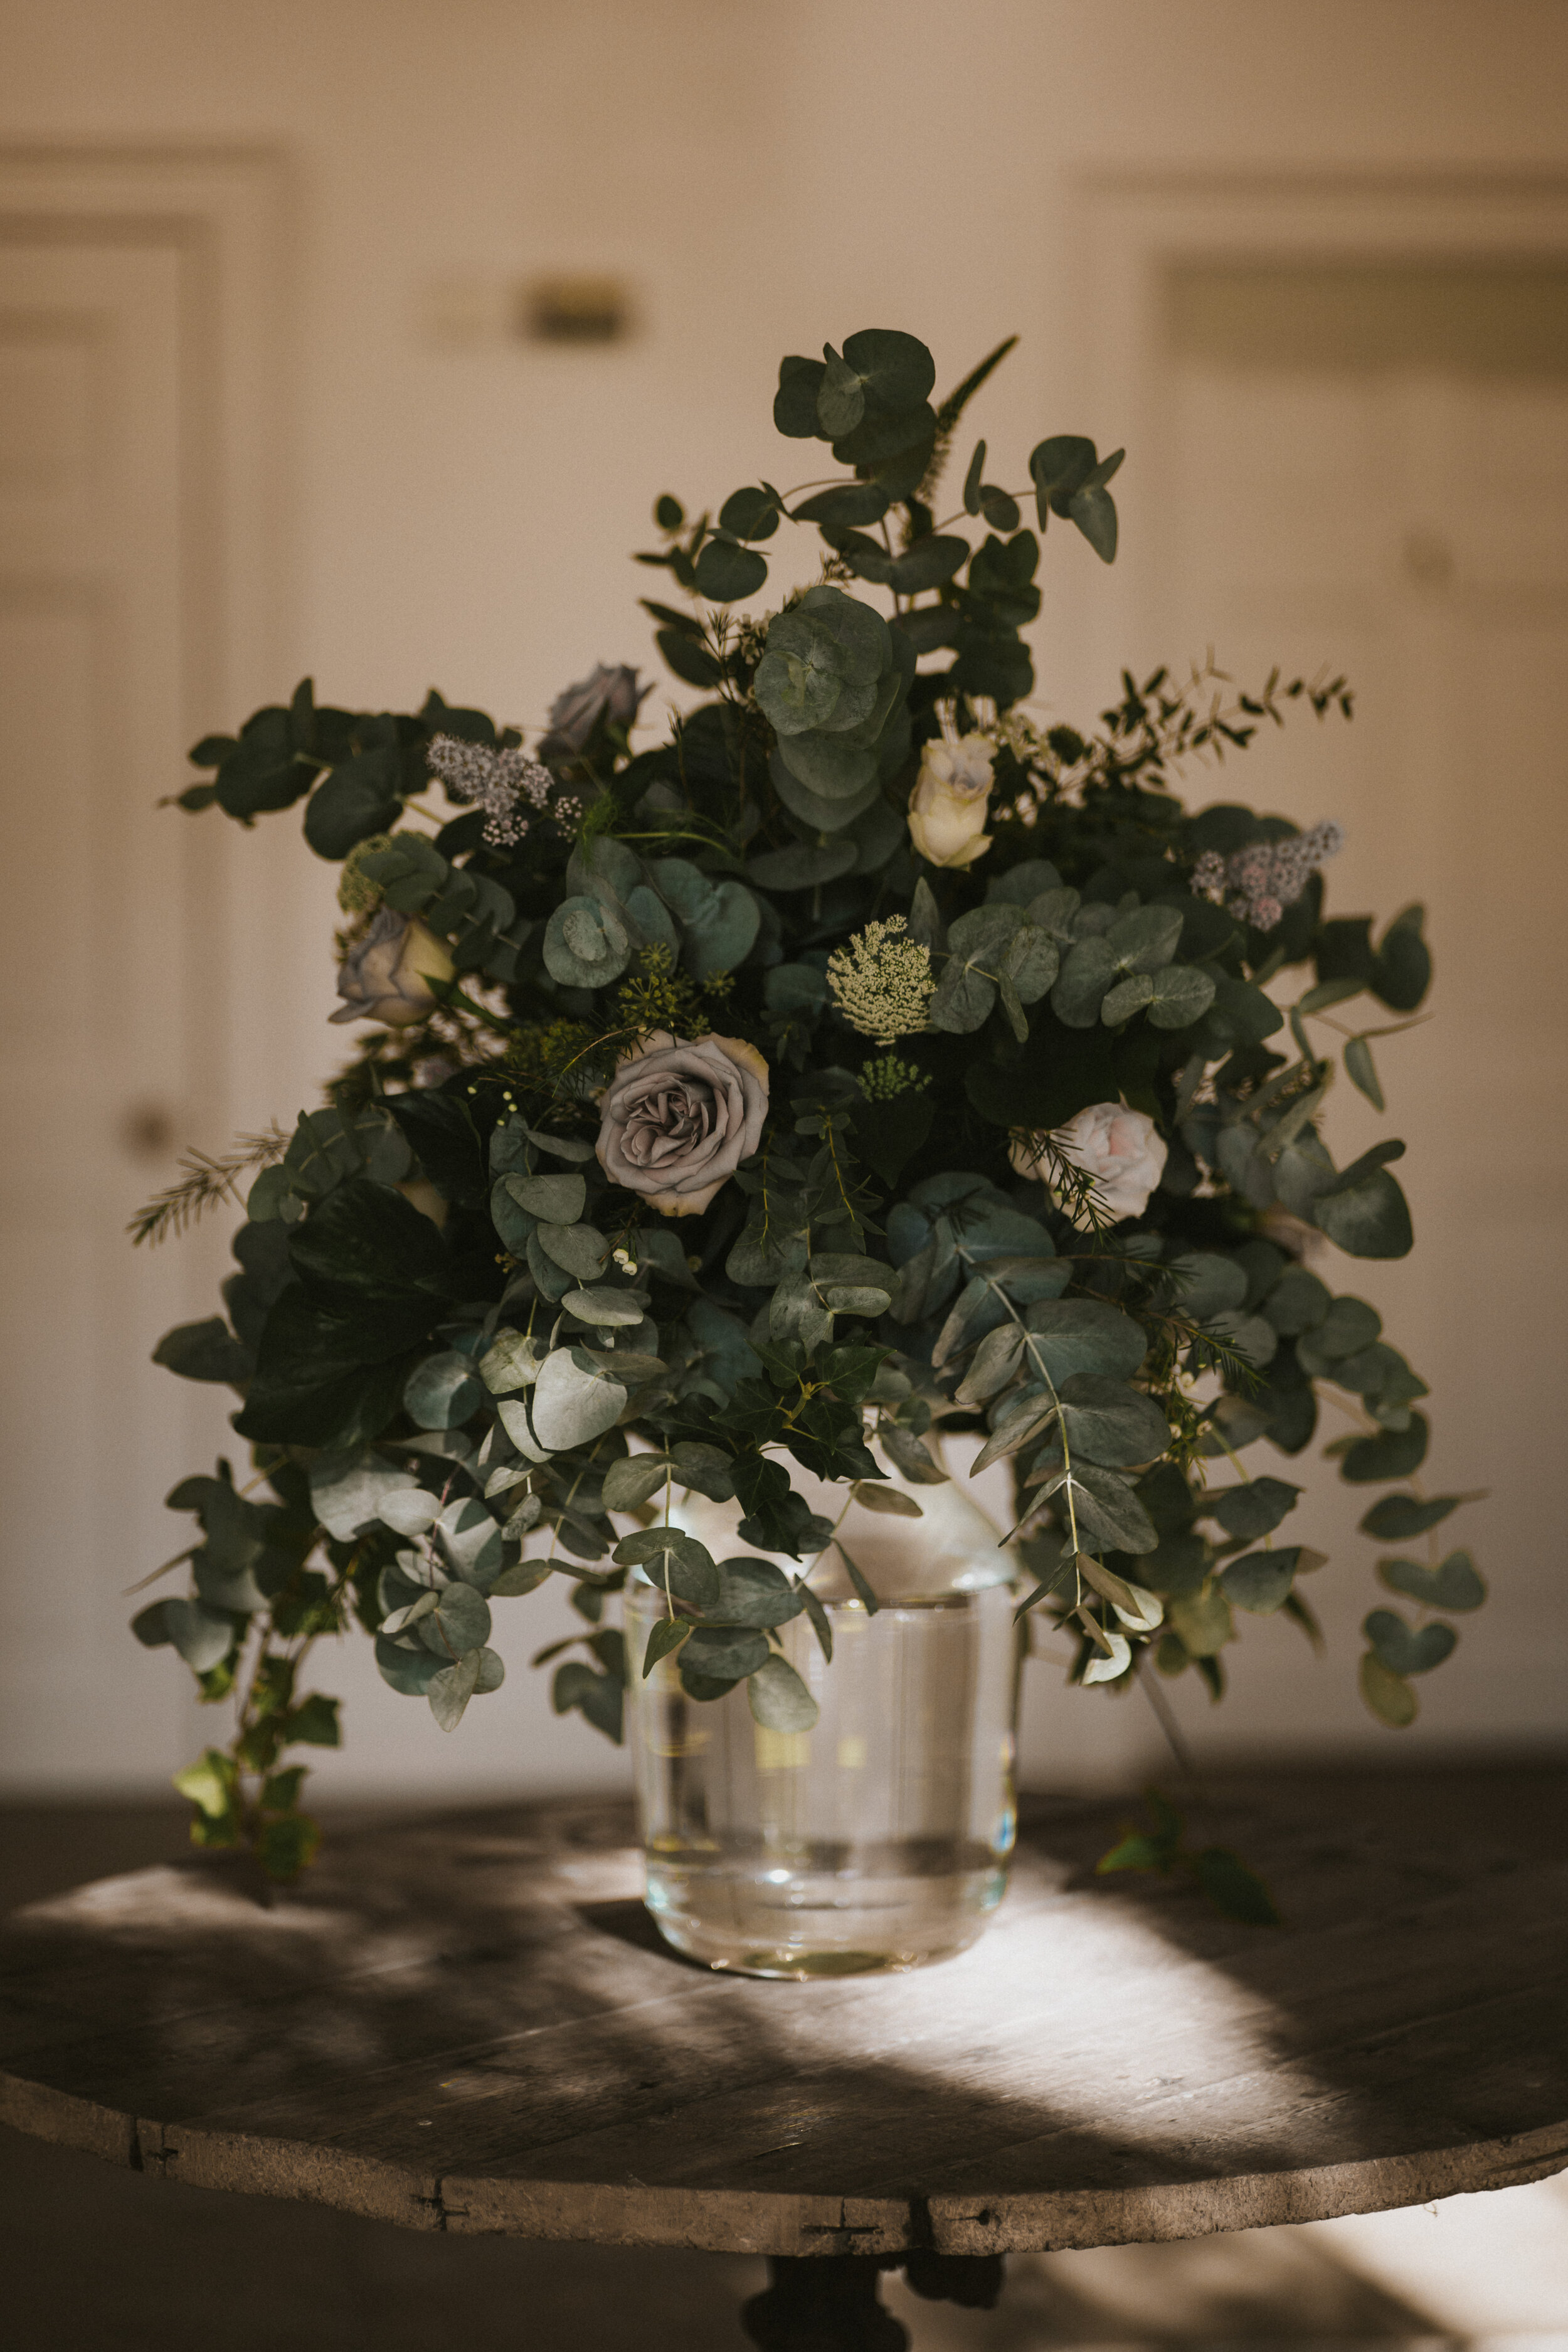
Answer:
(269, 405)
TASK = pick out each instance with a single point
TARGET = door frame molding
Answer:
(229, 215)
(1125, 230)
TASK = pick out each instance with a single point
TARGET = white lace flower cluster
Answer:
(500, 781)
(882, 982)
(1259, 883)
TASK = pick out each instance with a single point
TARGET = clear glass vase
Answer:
(880, 1839)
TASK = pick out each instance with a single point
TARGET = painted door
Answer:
(101, 1044)
(1365, 469)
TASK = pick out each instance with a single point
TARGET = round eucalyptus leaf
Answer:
(653, 918)
(862, 635)
(1206, 1283)
(1144, 938)
(1388, 1694)
(822, 815)
(347, 1490)
(1000, 510)
(580, 1250)
(830, 766)
(442, 1393)
(1403, 1649)
(725, 1653)
(726, 573)
(1260, 1580)
(1455, 1585)
(778, 1699)
(1253, 1508)
(931, 562)
(1298, 1302)
(585, 945)
(800, 678)
(1370, 1220)
(202, 1638)
(897, 369)
(845, 506)
(1112, 1423)
(840, 397)
(754, 1592)
(800, 867)
(555, 1200)
(1031, 961)
(357, 799)
(1128, 996)
(451, 1689)
(410, 1511)
(1083, 983)
(570, 1404)
(1392, 1454)
(1085, 1335)
(615, 1310)
(749, 513)
(720, 933)
(409, 1670)
(1181, 995)
(795, 403)
(1109, 1512)
(459, 1622)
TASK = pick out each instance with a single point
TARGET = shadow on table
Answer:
(451, 1972)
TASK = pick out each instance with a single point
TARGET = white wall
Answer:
(765, 176)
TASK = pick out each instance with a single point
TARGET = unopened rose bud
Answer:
(609, 694)
(951, 802)
(385, 978)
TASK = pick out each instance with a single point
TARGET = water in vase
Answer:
(879, 1839)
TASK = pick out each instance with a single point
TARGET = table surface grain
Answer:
(466, 2023)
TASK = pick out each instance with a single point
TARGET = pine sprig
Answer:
(205, 1184)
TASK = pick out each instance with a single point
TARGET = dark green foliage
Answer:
(450, 1326)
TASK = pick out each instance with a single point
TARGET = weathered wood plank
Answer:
(465, 2025)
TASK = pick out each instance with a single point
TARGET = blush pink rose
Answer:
(1123, 1150)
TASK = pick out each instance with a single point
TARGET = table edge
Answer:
(764, 2222)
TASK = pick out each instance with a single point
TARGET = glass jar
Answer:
(881, 1838)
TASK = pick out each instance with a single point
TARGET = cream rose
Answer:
(1121, 1148)
(384, 979)
(951, 802)
(677, 1121)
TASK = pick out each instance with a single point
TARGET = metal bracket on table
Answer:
(828, 2302)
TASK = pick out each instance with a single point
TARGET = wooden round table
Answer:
(469, 2024)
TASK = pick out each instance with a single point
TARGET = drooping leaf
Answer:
(779, 1699)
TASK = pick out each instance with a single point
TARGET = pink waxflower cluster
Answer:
(1257, 884)
(501, 782)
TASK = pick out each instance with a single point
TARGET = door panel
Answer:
(1402, 515)
(96, 1049)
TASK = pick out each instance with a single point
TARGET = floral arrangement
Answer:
(861, 1059)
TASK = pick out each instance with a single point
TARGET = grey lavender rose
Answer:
(609, 694)
(387, 976)
(678, 1120)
